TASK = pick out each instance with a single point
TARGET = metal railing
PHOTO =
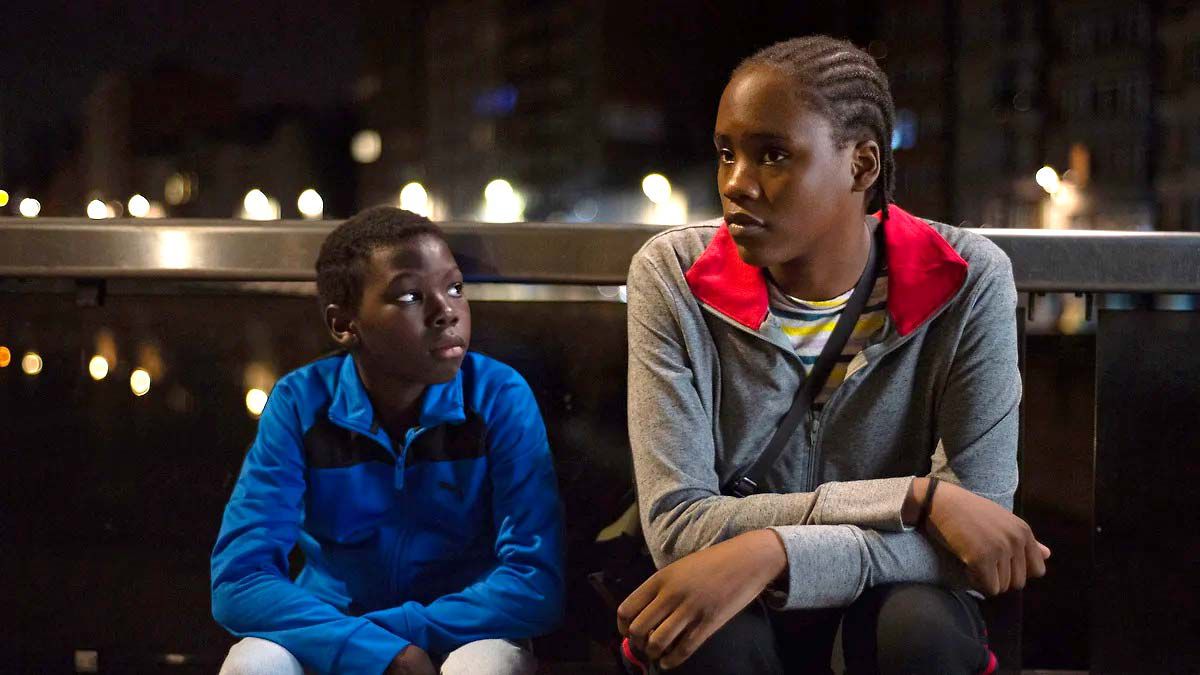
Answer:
(228, 250)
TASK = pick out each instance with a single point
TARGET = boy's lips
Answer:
(449, 348)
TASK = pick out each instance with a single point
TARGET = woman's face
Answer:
(786, 188)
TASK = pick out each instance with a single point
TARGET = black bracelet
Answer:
(927, 505)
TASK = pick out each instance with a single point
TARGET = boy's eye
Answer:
(409, 297)
(724, 155)
(456, 290)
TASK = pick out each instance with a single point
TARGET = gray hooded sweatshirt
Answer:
(711, 375)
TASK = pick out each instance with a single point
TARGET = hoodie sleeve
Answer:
(522, 596)
(978, 424)
(252, 594)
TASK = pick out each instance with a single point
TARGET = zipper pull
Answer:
(814, 421)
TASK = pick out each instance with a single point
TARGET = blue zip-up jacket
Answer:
(450, 535)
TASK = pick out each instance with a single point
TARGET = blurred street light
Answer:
(256, 205)
(30, 207)
(256, 400)
(98, 367)
(178, 189)
(31, 363)
(366, 146)
(502, 203)
(413, 197)
(310, 204)
(3, 198)
(96, 210)
(139, 382)
(1047, 177)
(657, 188)
(139, 206)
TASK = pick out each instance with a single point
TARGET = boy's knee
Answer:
(255, 656)
(917, 628)
(489, 657)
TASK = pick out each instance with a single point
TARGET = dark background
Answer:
(574, 101)
(111, 502)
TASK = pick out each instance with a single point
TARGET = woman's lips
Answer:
(742, 224)
(745, 229)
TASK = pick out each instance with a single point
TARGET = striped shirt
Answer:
(809, 324)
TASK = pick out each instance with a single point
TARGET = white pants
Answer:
(255, 656)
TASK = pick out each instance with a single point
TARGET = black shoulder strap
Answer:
(748, 483)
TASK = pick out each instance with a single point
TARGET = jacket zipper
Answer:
(885, 349)
(394, 558)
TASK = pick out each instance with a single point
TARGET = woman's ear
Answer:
(341, 326)
(865, 165)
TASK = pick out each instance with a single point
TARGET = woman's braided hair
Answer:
(846, 85)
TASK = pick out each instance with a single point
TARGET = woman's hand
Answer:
(997, 547)
(682, 605)
(412, 660)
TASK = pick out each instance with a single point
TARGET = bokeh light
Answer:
(139, 206)
(413, 197)
(139, 382)
(98, 367)
(366, 146)
(310, 204)
(256, 400)
(657, 188)
(31, 363)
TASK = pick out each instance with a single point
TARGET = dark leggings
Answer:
(901, 628)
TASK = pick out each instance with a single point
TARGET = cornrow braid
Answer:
(846, 85)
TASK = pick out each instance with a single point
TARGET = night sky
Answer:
(307, 54)
(281, 52)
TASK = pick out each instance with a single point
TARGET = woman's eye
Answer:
(774, 156)
(456, 290)
(725, 155)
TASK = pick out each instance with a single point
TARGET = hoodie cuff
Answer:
(369, 649)
(876, 504)
(825, 567)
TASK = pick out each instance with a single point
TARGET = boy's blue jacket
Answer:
(450, 535)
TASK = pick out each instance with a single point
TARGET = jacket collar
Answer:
(924, 272)
(351, 406)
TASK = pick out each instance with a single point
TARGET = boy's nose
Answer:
(445, 316)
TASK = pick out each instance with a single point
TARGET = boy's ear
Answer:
(865, 165)
(341, 325)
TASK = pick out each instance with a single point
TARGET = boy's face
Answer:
(413, 323)
(786, 187)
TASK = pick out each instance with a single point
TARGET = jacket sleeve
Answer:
(978, 425)
(522, 596)
(671, 432)
(252, 594)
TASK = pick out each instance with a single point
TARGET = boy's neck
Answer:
(397, 403)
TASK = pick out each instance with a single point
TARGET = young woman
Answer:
(726, 321)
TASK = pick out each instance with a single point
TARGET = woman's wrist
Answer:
(765, 548)
(914, 501)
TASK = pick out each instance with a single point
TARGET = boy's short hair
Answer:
(342, 261)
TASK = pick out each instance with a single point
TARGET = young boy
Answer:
(415, 477)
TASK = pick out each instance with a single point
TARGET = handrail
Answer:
(1086, 261)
